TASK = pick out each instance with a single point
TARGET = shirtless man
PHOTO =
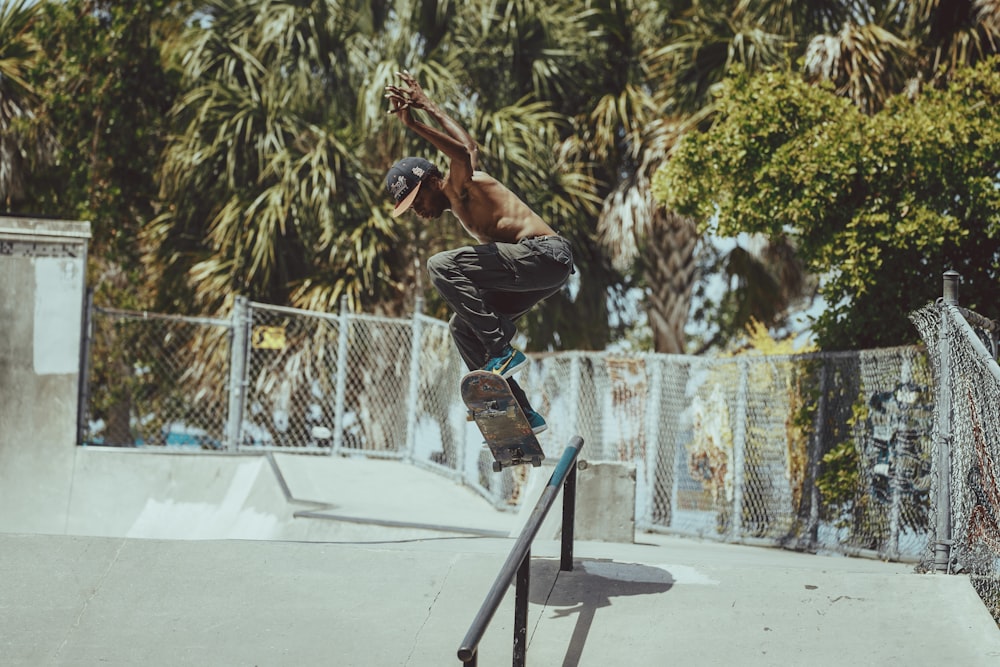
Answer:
(518, 261)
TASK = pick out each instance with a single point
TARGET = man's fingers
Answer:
(397, 105)
(407, 77)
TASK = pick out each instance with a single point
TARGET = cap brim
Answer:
(404, 205)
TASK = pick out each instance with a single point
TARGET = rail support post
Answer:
(519, 561)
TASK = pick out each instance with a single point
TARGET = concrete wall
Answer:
(605, 502)
(42, 292)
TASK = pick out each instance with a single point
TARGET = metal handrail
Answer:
(518, 562)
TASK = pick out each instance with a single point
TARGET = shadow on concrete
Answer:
(590, 586)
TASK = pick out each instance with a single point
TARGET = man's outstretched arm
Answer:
(454, 141)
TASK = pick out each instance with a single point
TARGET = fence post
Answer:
(942, 532)
(414, 389)
(815, 453)
(341, 386)
(237, 371)
(739, 450)
(650, 459)
(574, 392)
(86, 348)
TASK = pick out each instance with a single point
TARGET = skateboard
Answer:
(503, 424)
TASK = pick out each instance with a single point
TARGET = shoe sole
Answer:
(541, 428)
(511, 370)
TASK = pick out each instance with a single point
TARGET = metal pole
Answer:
(950, 287)
(574, 393)
(942, 533)
(815, 452)
(414, 388)
(237, 371)
(739, 451)
(646, 498)
(341, 386)
(83, 393)
(568, 520)
(521, 609)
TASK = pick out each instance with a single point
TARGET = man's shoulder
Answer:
(483, 177)
(487, 183)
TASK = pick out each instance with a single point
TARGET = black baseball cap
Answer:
(404, 179)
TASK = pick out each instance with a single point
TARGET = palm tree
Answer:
(897, 46)
(664, 74)
(262, 173)
(24, 137)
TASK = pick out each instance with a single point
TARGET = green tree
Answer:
(879, 205)
(867, 50)
(272, 180)
(25, 139)
(663, 62)
(886, 47)
(264, 191)
(99, 95)
(105, 93)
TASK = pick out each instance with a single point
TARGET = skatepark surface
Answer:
(285, 560)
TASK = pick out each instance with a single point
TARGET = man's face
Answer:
(430, 201)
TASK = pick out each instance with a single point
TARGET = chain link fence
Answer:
(966, 515)
(821, 452)
(817, 452)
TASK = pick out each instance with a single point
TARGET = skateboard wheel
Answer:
(497, 467)
(536, 461)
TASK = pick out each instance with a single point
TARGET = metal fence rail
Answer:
(966, 511)
(818, 452)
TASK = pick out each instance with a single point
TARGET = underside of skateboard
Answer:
(501, 421)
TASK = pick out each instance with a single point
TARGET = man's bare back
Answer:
(491, 212)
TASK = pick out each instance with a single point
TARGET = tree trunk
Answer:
(670, 272)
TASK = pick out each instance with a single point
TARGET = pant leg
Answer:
(489, 286)
(469, 345)
(462, 277)
(472, 351)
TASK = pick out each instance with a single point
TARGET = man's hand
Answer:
(452, 139)
(408, 95)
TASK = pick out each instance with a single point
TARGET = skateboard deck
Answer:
(500, 419)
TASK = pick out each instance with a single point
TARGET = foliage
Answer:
(260, 179)
(877, 205)
(760, 342)
(25, 139)
(272, 178)
(105, 93)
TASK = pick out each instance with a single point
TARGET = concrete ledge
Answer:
(605, 502)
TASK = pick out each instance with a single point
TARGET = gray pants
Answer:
(490, 286)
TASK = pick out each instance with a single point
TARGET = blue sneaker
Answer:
(536, 420)
(507, 363)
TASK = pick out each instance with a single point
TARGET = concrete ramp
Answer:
(132, 493)
(119, 601)
(164, 494)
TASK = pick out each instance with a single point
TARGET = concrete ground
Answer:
(265, 585)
